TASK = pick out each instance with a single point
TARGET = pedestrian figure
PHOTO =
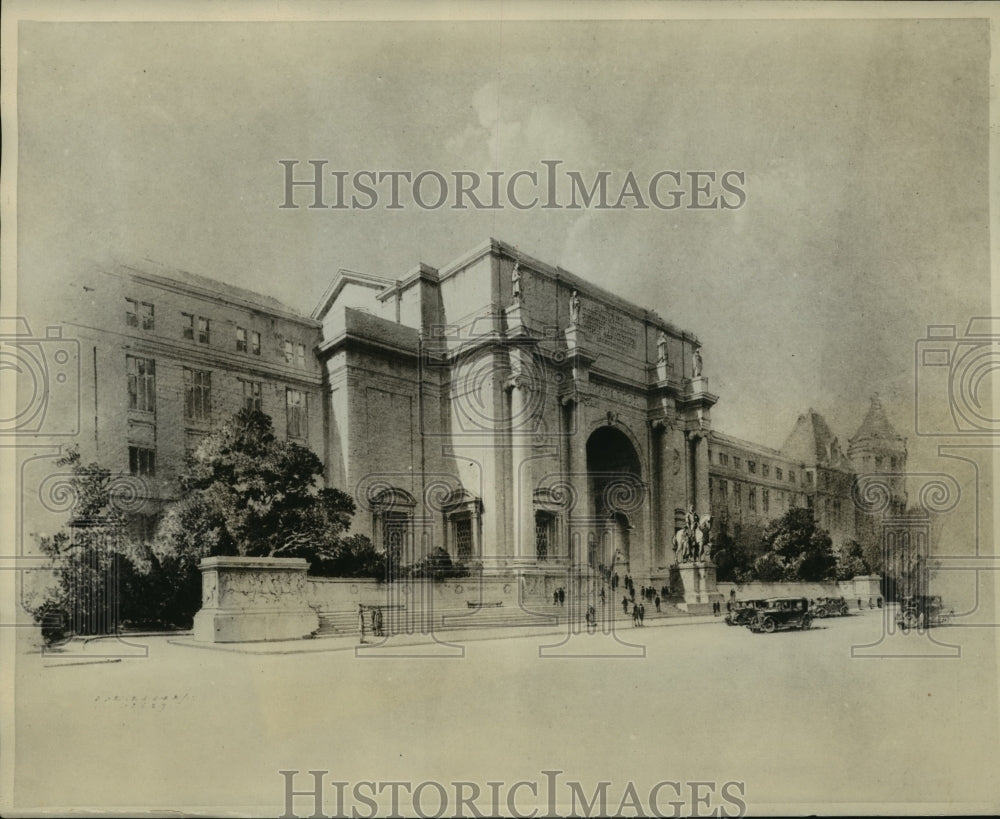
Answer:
(642, 613)
(591, 620)
(555, 597)
(870, 604)
(562, 597)
(859, 602)
(377, 622)
(879, 602)
(635, 615)
(625, 605)
(361, 621)
(729, 607)
(602, 595)
(657, 604)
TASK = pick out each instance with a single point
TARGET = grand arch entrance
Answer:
(617, 495)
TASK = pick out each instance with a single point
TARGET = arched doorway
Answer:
(614, 481)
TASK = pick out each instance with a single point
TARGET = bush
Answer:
(54, 620)
(438, 565)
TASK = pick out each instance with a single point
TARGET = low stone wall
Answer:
(861, 588)
(338, 594)
(252, 599)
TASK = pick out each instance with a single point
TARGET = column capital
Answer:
(518, 382)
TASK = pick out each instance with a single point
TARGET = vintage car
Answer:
(744, 611)
(921, 611)
(782, 612)
(829, 606)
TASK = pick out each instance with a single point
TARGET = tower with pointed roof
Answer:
(877, 449)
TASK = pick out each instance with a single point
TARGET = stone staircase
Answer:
(400, 620)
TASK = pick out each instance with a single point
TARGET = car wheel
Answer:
(768, 625)
(821, 612)
(807, 621)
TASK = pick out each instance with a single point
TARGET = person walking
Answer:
(657, 604)
(642, 613)
(624, 605)
(635, 615)
(361, 621)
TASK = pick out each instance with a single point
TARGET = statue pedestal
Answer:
(247, 599)
(699, 587)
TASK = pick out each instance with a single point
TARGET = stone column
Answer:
(702, 500)
(521, 478)
(582, 515)
(664, 531)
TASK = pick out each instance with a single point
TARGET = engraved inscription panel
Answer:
(606, 325)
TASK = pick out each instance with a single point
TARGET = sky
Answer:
(864, 145)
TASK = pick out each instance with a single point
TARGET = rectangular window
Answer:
(737, 463)
(288, 352)
(187, 323)
(765, 499)
(777, 473)
(765, 470)
(300, 354)
(791, 476)
(241, 339)
(463, 538)
(544, 525)
(251, 395)
(723, 459)
(255, 343)
(723, 489)
(197, 395)
(752, 499)
(203, 329)
(142, 461)
(295, 403)
(141, 373)
(146, 314)
(737, 495)
(131, 313)
(752, 467)
(809, 478)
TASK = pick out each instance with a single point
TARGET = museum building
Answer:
(499, 407)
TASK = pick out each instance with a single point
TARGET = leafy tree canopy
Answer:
(248, 493)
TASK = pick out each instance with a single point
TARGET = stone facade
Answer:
(753, 484)
(499, 407)
(514, 414)
(165, 355)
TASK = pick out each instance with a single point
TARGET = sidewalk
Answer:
(622, 629)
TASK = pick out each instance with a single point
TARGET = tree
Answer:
(247, 493)
(851, 561)
(798, 547)
(93, 559)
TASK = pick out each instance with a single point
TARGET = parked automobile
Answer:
(921, 611)
(829, 606)
(782, 612)
(744, 612)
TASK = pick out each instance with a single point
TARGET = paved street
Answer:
(792, 715)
